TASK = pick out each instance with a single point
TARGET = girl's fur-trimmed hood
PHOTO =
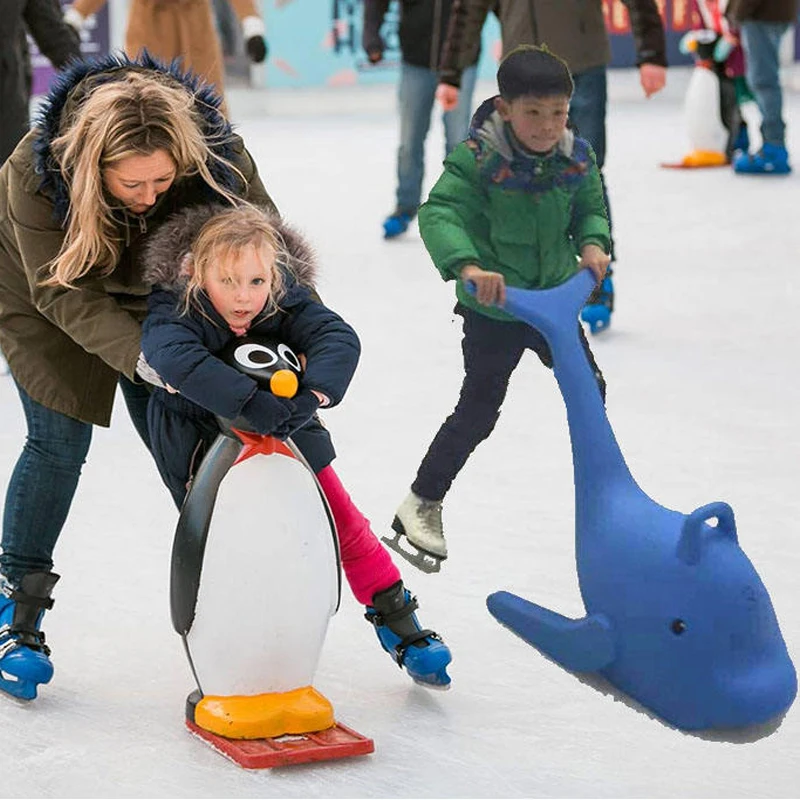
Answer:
(164, 254)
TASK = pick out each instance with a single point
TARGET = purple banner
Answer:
(94, 42)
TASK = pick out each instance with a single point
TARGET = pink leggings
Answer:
(367, 565)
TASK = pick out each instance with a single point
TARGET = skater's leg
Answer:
(416, 93)
(41, 489)
(137, 396)
(456, 121)
(38, 499)
(491, 351)
(367, 565)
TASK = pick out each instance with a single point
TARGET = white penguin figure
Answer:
(255, 574)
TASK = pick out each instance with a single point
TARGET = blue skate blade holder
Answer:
(676, 615)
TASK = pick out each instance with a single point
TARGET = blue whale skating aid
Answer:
(677, 616)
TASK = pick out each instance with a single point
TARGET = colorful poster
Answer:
(94, 42)
(318, 42)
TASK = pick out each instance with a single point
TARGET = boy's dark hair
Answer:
(534, 71)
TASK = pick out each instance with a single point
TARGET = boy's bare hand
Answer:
(596, 259)
(490, 287)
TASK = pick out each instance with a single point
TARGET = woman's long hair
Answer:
(137, 114)
(223, 238)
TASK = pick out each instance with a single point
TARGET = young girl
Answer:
(220, 272)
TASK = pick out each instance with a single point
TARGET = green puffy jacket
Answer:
(524, 216)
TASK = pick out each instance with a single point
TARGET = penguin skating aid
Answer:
(252, 597)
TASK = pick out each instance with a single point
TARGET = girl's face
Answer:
(137, 181)
(239, 285)
(538, 122)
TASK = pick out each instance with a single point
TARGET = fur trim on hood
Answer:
(70, 88)
(168, 246)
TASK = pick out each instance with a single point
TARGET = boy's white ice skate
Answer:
(419, 537)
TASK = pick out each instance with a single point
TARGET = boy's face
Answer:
(538, 122)
(239, 285)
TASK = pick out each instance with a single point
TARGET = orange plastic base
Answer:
(700, 159)
(336, 742)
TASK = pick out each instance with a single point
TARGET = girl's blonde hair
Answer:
(137, 114)
(222, 239)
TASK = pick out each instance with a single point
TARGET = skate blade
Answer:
(336, 742)
(423, 560)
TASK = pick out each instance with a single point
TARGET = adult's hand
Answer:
(653, 78)
(375, 56)
(447, 96)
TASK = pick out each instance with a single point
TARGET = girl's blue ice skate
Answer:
(422, 652)
(24, 657)
(597, 311)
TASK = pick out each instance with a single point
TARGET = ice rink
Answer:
(701, 364)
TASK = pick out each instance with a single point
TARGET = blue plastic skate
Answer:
(396, 223)
(770, 160)
(597, 312)
(676, 615)
(423, 654)
(24, 656)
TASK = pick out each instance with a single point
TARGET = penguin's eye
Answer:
(255, 356)
(677, 626)
(287, 354)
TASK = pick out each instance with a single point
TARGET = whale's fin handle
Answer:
(584, 645)
(690, 544)
(549, 310)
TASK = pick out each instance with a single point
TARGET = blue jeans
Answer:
(761, 43)
(587, 112)
(416, 95)
(45, 479)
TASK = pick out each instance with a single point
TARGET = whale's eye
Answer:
(677, 626)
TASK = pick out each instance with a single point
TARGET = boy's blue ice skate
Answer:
(770, 160)
(396, 223)
(597, 311)
(422, 652)
(24, 657)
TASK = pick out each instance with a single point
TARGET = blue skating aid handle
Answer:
(548, 310)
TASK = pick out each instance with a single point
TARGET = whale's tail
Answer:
(583, 645)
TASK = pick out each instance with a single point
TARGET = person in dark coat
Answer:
(221, 273)
(54, 38)
(422, 30)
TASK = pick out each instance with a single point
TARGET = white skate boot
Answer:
(419, 537)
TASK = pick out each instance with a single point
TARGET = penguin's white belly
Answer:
(702, 112)
(269, 581)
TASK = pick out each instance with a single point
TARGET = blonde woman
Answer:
(119, 146)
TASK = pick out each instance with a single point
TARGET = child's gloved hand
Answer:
(267, 413)
(254, 41)
(305, 405)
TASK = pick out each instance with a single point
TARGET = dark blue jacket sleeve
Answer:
(330, 345)
(177, 348)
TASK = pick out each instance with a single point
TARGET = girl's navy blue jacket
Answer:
(181, 349)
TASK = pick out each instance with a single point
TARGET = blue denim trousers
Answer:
(587, 113)
(416, 96)
(45, 479)
(761, 43)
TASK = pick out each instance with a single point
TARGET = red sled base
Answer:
(336, 742)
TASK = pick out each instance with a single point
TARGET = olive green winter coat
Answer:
(67, 347)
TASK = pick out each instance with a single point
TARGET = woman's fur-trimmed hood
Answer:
(165, 252)
(68, 91)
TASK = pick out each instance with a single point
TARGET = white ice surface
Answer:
(701, 363)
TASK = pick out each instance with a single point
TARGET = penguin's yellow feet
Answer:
(704, 158)
(262, 716)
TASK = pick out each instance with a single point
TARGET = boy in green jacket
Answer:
(520, 203)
